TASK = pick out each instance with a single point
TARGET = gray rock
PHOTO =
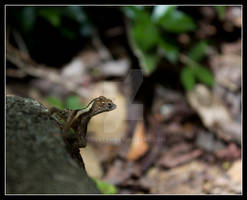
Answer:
(36, 158)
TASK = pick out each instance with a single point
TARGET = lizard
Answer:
(78, 120)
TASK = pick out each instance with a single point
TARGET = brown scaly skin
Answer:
(78, 121)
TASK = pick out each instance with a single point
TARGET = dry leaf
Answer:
(193, 178)
(172, 160)
(209, 107)
(213, 113)
(229, 153)
(139, 144)
(185, 179)
(91, 162)
(227, 70)
(235, 172)
(119, 172)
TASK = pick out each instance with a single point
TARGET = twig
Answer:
(103, 51)
(15, 73)
(187, 60)
(20, 42)
(29, 66)
(115, 31)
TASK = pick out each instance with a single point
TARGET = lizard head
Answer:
(102, 104)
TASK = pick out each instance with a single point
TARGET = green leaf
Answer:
(144, 32)
(203, 75)
(221, 11)
(148, 62)
(53, 16)
(198, 51)
(28, 18)
(171, 52)
(162, 10)
(132, 12)
(187, 78)
(86, 30)
(68, 33)
(104, 187)
(76, 13)
(72, 131)
(176, 21)
(73, 102)
(143, 38)
(55, 101)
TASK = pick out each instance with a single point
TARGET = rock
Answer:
(36, 159)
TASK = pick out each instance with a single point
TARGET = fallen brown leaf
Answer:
(139, 144)
(118, 172)
(214, 113)
(91, 161)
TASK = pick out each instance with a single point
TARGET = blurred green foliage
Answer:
(199, 50)
(221, 10)
(55, 101)
(51, 34)
(193, 71)
(152, 35)
(191, 74)
(148, 33)
(71, 102)
(173, 20)
(187, 78)
(104, 187)
(55, 16)
(27, 17)
(170, 51)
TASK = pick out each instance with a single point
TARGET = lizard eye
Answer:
(103, 103)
